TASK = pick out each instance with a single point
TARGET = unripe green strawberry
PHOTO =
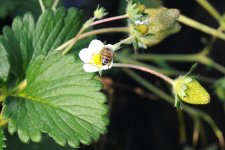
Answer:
(190, 91)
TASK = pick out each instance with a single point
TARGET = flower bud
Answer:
(162, 22)
(190, 91)
(140, 8)
(99, 13)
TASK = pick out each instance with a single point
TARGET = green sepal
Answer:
(178, 103)
(192, 69)
(132, 11)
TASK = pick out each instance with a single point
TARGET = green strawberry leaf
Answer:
(22, 29)
(55, 96)
(19, 7)
(2, 139)
(55, 28)
(18, 45)
(60, 99)
(4, 63)
(46, 143)
(27, 39)
(12, 46)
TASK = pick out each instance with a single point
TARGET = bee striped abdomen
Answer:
(106, 56)
(105, 61)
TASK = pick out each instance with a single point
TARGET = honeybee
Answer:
(106, 56)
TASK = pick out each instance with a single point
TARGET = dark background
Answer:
(137, 122)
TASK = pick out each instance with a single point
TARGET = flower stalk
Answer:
(109, 19)
(210, 9)
(55, 4)
(199, 26)
(104, 30)
(95, 32)
(199, 57)
(68, 45)
(117, 45)
(42, 5)
(73, 41)
(148, 70)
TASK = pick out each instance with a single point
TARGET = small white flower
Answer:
(92, 58)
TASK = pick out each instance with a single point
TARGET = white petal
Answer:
(107, 66)
(85, 55)
(110, 46)
(90, 68)
(138, 22)
(95, 46)
(146, 22)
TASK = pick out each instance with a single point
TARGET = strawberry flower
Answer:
(92, 58)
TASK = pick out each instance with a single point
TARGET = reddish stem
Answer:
(108, 19)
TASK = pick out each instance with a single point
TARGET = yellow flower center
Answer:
(97, 60)
(142, 28)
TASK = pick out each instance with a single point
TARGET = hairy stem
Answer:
(209, 46)
(55, 4)
(124, 41)
(85, 26)
(165, 78)
(104, 30)
(210, 9)
(218, 67)
(169, 57)
(73, 41)
(94, 32)
(182, 58)
(109, 19)
(127, 59)
(42, 5)
(199, 26)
